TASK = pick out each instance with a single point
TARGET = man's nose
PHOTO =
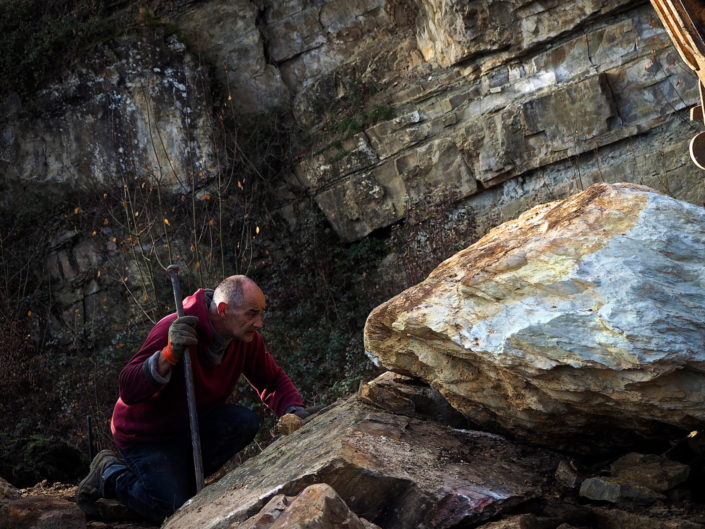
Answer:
(258, 322)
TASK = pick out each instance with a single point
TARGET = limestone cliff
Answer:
(483, 108)
(499, 105)
(464, 113)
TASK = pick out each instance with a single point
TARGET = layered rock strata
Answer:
(531, 104)
(498, 105)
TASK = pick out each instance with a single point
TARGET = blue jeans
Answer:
(161, 476)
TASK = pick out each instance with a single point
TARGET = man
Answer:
(150, 422)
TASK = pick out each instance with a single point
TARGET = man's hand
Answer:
(306, 413)
(182, 334)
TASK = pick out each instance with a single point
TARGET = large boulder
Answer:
(397, 471)
(581, 317)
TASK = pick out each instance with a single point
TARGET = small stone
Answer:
(650, 470)
(318, 507)
(600, 489)
(289, 423)
(41, 512)
(611, 489)
(567, 475)
(8, 490)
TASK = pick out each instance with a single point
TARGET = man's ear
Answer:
(222, 306)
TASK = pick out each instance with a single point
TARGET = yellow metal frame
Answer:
(684, 21)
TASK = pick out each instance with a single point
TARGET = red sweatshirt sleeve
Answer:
(133, 384)
(269, 380)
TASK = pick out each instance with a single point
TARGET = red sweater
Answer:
(147, 411)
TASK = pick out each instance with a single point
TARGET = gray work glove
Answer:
(182, 334)
(305, 413)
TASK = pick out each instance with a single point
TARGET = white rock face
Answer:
(136, 108)
(450, 31)
(580, 316)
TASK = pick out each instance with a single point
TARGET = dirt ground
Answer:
(68, 492)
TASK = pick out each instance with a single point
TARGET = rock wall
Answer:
(500, 105)
(532, 104)
(137, 105)
(484, 108)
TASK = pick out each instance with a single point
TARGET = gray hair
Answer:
(230, 290)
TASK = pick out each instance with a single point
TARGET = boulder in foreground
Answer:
(396, 471)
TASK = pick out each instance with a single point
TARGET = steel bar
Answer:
(173, 272)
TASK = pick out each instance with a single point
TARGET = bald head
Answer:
(238, 308)
(232, 290)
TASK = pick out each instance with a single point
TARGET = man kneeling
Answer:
(154, 473)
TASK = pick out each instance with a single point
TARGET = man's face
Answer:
(242, 322)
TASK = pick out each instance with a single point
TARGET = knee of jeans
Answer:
(252, 423)
(234, 423)
(157, 502)
(166, 504)
(246, 426)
